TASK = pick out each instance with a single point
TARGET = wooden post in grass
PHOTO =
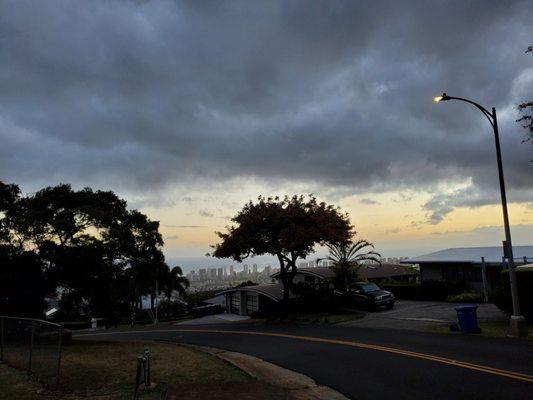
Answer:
(147, 367)
(138, 377)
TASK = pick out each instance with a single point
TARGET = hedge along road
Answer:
(372, 363)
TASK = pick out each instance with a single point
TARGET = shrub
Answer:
(502, 297)
(466, 297)
(320, 300)
(169, 309)
(427, 290)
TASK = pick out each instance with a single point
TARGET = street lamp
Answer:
(518, 322)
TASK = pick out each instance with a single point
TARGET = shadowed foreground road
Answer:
(372, 364)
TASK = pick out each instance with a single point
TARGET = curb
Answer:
(301, 386)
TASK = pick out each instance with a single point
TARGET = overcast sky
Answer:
(188, 109)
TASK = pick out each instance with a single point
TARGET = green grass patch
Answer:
(106, 370)
(491, 328)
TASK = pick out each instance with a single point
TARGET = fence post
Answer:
(147, 367)
(60, 342)
(138, 378)
(2, 339)
(31, 344)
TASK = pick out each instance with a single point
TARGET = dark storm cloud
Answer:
(141, 95)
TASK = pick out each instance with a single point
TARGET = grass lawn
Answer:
(493, 328)
(106, 370)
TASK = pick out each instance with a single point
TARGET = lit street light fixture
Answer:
(518, 322)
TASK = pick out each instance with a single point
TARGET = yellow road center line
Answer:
(408, 353)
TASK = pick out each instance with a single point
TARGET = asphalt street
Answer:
(365, 363)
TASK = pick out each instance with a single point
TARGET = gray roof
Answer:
(386, 270)
(471, 254)
(274, 290)
(321, 272)
(366, 271)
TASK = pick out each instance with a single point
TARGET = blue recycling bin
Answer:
(467, 316)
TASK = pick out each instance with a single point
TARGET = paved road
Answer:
(424, 315)
(365, 363)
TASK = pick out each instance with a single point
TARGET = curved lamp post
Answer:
(518, 323)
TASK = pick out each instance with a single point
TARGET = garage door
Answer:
(235, 303)
(251, 304)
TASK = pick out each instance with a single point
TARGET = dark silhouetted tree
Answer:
(287, 228)
(102, 256)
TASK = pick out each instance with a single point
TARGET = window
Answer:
(251, 303)
(235, 303)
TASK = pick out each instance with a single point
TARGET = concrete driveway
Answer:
(214, 319)
(422, 315)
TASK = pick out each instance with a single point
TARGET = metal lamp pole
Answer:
(518, 323)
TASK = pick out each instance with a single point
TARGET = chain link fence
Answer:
(33, 345)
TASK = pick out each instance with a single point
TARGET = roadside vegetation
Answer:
(106, 370)
(488, 328)
(322, 318)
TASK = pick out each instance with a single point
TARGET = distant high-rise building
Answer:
(212, 273)
(220, 273)
(245, 269)
(267, 270)
(231, 270)
(254, 269)
(202, 272)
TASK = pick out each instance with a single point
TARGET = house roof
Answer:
(321, 272)
(273, 291)
(386, 270)
(471, 254)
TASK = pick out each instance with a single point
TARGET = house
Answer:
(318, 276)
(246, 300)
(324, 276)
(465, 264)
(397, 272)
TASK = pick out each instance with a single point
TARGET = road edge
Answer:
(300, 386)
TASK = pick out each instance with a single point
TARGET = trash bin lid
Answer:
(465, 307)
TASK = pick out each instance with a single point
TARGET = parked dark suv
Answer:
(369, 295)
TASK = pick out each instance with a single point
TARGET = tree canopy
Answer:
(85, 244)
(287, 228)
(348, 257)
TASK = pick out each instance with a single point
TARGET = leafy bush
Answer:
(502, 296)
(427, 290)
(169, 309)
(319, 300)
(466, 297)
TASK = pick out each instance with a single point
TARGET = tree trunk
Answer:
(283, 278)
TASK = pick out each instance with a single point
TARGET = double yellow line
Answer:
(443, 360)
